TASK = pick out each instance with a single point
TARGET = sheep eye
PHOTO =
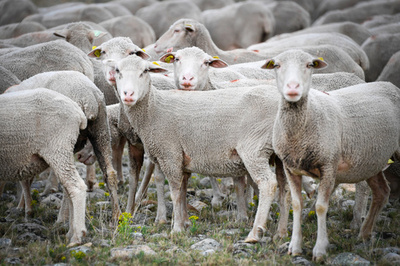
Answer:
(117, 70)
(176, 30)
(176, 59)
(132, 53)
(103, 52)
(310, 65)
(277, 66)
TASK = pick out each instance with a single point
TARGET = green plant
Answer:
(194, 227)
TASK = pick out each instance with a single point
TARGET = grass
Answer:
(175, 249)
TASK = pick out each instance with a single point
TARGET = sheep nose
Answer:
(293, 85)
(188, 77)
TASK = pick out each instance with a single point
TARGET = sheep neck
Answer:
(294, 116)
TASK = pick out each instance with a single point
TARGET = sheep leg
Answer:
(184, 208)
(284, 200)
(380, 195)
(63, 212)
(145, 182)
(240, 184)
(325, 189)
(117, 152)
(51, 183)
(26, 198)
(159, 177)
(75, 189)
(90, 176)
(297, 205)
(218, 196)
(254, 188)
(267, 185)
(360, 206)
(177, 188)
(136, 157)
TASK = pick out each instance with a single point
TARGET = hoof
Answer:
(250, 239)
(73, 244)
(161, 221)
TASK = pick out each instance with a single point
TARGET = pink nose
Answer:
(128, 96)
(293, 85)
(188, 77)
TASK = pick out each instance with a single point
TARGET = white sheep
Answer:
(26, 117)
(188, 32)
(345, 136)
(81, 89)
(201, 132)
(50, 56)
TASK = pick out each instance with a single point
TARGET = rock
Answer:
(207, 244)
(29, 237)
(230, 232)
(31, 228)
(161, 235)
(97, 193)
(242, 248)
(198, 205)
(284, 248)
(205, 182)
(391, 258)
(130, 251)
(137, 236)
(384, 251)
(5, 243)
(208, 252)
(12, 261)
(51, 200)
(300, 260)
(84, 248)
(348, 258)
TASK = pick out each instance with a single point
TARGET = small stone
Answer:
(207, 244)
(349, 259)
(198, 205)
(300, 260)
(130, 251)
(208, 252)
(5, 242)
(284, 248)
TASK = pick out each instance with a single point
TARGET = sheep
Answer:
(340, 40)
(281, 10)
(140, 32)
(51, 56)
(239, 25)
(357, 32)
(230, 145)
(336, 138)
(14, 11)
(73, 13)
(160, 20)
(134, 6)
(48, 145)
(81, 89)
(360, 12)
(379, 49)
(389, 72)
(326, 6)
(212, 4)
(381, 20)
(188, 32)
(16, 29)
(7, 79)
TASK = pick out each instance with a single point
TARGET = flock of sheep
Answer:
(310, 87)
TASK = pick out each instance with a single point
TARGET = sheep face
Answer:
(116, 49)
(133, 78)
(181, 34)
(293, 71)
(191, 67)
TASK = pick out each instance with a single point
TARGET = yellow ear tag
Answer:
(188, 25)
(270, 64)
(154, 62)
(320, 58)
(143, 50)
(97, 53)
(168, 59)
(390, 161)
(215, 57)
(94, 47)
(316, 63)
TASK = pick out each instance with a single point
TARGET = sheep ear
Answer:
(143, 54)
(189, 27)
(217, 63)
(97, 34)
(168, 58)
(61, 33)
(155, 68)
(270, 64)
(318, 63)
(96, 52)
